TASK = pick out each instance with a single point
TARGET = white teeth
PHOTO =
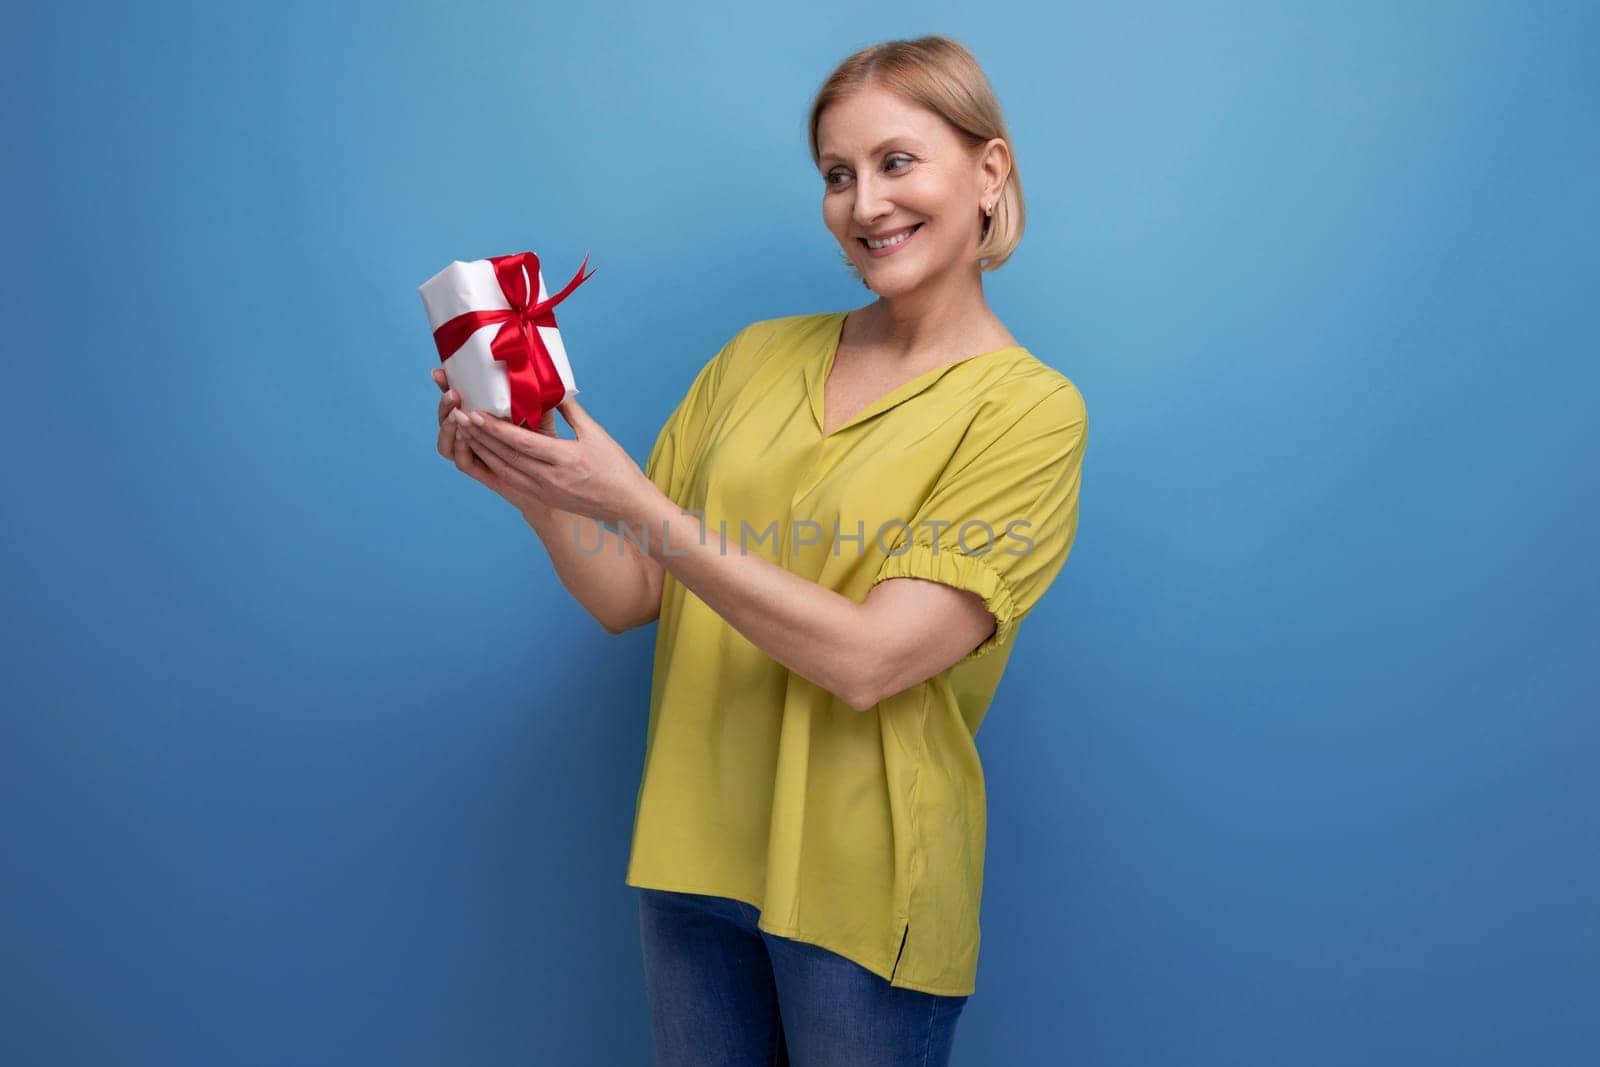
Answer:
(886, 242)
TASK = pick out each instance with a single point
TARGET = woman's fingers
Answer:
(450, 399)
(505, 480)
(514, 440)
(457, 448)
(576, 417)
(468, 463)
(452, 445)
(510, 479)
(488, 453)
(447, 437)
(505, 463)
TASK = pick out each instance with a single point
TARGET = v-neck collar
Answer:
(820, 365)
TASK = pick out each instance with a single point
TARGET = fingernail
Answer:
(460, 419)
(477, 417)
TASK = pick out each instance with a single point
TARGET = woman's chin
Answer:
(891, 284)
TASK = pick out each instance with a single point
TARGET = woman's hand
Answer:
(590, 475)
(453, 446)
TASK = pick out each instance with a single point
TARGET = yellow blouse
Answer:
(861, 832)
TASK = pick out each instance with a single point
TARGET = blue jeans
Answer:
(723, 992)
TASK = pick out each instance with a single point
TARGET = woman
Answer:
(840, 528)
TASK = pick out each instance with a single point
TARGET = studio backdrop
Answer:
(307, 757)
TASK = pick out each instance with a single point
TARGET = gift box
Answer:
(494, 325)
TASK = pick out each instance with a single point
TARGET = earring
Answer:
(988, 209)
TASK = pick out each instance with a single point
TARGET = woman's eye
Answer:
(828, 179)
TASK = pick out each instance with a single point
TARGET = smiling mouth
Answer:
(905, 235)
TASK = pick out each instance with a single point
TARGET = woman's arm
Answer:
(906, 631)
(615, 583)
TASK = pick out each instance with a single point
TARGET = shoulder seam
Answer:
(1011, 425)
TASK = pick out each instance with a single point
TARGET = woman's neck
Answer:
(937, 321)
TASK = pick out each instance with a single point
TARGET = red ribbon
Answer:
(536, 385)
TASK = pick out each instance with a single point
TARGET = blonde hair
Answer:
(939, 74)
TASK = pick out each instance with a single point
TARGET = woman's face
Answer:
(889, 166)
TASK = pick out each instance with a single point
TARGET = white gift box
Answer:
(471, 370)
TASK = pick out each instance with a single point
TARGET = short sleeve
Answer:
(678, 442)
(1001, 523)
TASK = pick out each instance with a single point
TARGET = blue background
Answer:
(308, 758)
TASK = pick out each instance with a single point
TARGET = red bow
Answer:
(536, 385)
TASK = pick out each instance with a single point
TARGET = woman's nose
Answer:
(870, 203)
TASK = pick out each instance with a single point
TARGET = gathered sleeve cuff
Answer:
(949, 565)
